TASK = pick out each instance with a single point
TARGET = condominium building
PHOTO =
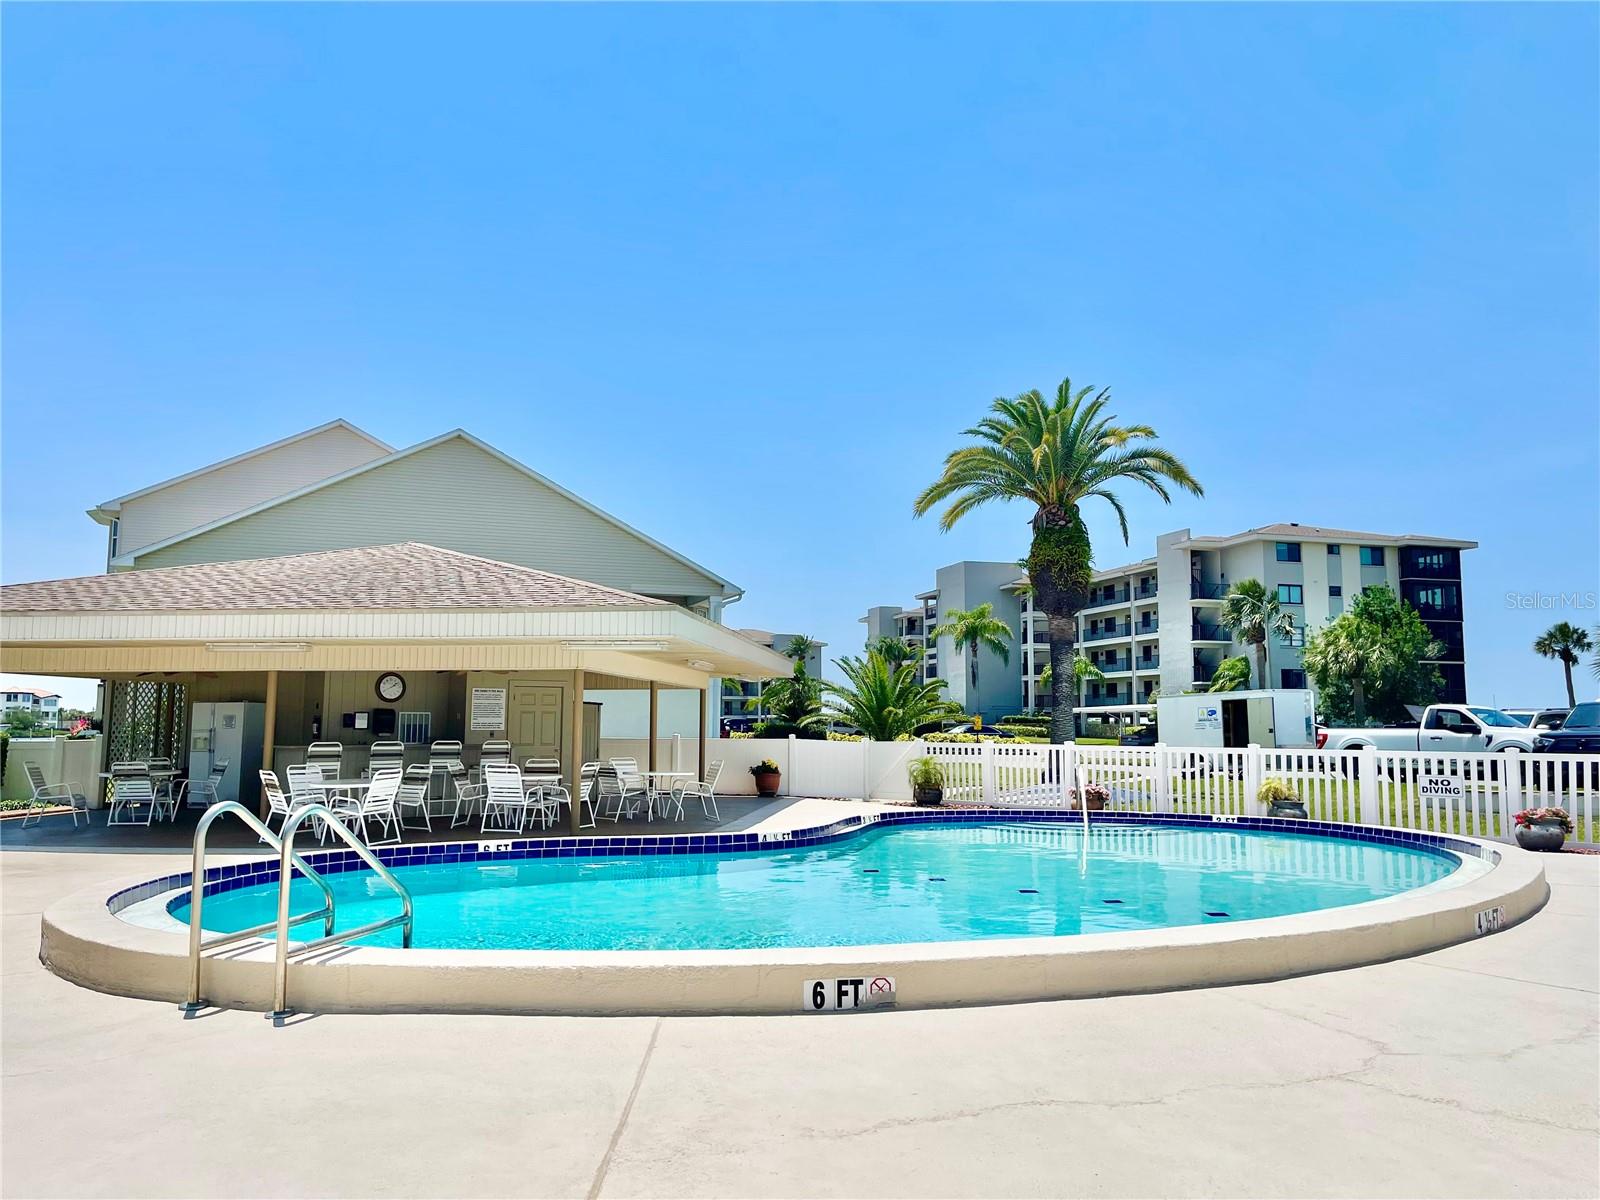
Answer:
(1152, 625)
(44, 705)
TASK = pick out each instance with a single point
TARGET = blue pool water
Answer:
(906, 883)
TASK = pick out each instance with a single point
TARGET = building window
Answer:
(1288, 551)
(1335, 590)
(1333, 551)
(415, 728)
(1290, 593)
(1292, 679)
(1372, 556)
(116, 530)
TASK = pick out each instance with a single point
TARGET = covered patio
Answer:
(405, 643)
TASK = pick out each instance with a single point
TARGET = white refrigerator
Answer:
(231, 732)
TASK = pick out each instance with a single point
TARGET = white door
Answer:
(534, 720)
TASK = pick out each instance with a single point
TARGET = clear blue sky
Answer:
(739, 275)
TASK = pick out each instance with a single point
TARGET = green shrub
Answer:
(1276, 791)
(926, 772)
(783, 729)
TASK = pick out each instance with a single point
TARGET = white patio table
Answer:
(674, 781)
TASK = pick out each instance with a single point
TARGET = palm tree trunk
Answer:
(1261, 664)
(1572, 696)
(1358, 695)
(1063, 679)
(973, 650)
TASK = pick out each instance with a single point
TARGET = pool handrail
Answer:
(197, 877)
(287, 858)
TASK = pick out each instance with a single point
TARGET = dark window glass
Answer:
(1334, 551)
(1288, 551)
(1335, 590)
(1435, 601)
(1455, 683)
(1372, 556)
(1292, 679)
(1430, 562)
(1290, 593)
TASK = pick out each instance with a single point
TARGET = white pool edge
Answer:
(84, 942)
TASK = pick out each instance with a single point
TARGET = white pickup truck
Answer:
(1444, 727)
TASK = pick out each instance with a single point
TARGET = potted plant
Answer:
(767, 777)
(1281, 799)
(1542, 828)
(1095, 797)
(927, 780)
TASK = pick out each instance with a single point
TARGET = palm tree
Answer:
(801, 647)
(1564, 641)
(974, 630)
(796, 700)
(1250, 611)
(891, 649)
(1054, 455)
(1231, 676)
(1354, 651)
(882, 701)
(1082, 668)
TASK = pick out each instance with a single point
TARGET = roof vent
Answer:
(1296, 524)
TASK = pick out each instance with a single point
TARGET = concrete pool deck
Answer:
(1470, 1071)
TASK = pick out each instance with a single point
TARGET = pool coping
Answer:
(86, 942)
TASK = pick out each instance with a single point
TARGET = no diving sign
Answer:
(835, 995)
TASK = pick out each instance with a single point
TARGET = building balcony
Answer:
(1142, 629)
(1102, 635)
(1153, 663)
(1106, 701)
(1117, 666)
(1201, 632)
(1203, 674)
(1102, 599)
(1199, 590)
(1145, 593)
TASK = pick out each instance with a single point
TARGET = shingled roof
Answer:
(405, 576)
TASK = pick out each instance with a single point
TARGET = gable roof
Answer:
(733, 592)
(405, 576)
(105, 511)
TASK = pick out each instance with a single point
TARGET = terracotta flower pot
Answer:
(767, 783)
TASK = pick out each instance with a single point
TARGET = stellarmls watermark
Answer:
(1549, 600)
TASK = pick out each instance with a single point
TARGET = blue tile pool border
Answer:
(484, 849)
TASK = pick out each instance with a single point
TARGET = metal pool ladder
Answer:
(288, 862)
(288, 859)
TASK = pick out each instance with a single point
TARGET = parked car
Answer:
(1538, 718)
(1444, 727)
(1141, 735)
(1578, 734)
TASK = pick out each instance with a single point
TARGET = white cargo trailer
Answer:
(1278, 717)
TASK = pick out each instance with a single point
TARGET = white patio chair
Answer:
(413, 796)
(52, 795)
(632, 786)
(495, 750)
(385, 754)
(278, 806)
(378, 805)
(301, 793)
(545, 801)
(705, 791)
(131, 792)
(202, 793)
(505, 800)
(164, 786)
(327, 755)
(588, 785)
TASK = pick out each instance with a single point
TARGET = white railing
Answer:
(1474, 795)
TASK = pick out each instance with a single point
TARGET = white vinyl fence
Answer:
(1470, 794)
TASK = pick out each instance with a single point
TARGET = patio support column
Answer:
(700, 753)
(575, 759)
(269, 729)
(655, 710)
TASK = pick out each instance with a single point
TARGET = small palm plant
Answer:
(883, 702)
(976, 629)
(1564, 641)
(891, 649)
(1082, 668)
(1055, 454)
(801, 647)
(1251, 612)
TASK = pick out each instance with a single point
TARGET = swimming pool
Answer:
(888, 885)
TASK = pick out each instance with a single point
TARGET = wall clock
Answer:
(391, 687)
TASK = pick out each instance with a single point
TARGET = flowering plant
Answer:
(1095, 794)
(1540, 816)
(765, 767)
